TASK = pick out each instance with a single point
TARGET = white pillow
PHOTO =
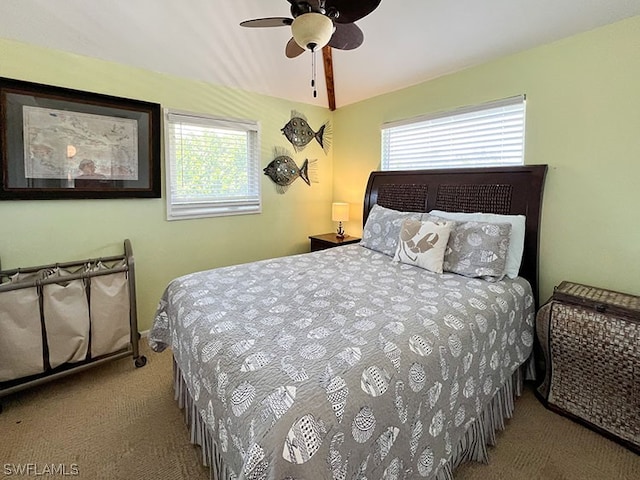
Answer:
(516, 239)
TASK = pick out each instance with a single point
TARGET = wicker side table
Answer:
(590, 338)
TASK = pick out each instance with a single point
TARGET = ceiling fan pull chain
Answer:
(313, 73)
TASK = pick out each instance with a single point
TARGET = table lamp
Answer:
(340, 213)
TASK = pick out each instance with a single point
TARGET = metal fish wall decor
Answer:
(300, 134)
(284, 171)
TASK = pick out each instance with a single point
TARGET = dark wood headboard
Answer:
(503, 190)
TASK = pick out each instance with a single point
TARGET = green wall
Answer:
(43, 232)
(583, 120)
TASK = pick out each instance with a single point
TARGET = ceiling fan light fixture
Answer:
(312, 30)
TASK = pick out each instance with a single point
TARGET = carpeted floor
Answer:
(117, 422)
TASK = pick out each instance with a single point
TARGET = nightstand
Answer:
(329, 240)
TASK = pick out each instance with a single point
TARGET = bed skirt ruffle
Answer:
(472, 447)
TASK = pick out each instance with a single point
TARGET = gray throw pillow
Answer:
(478, 249)
(382, 229)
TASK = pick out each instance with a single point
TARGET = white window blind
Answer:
(491, 134)
(213, 166)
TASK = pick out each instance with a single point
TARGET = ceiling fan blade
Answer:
(293, 49)
(347, 36)
(267, 22)
(351, 10)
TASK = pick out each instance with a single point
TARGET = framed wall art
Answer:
(58, 143)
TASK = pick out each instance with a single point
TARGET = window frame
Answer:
(212, 208)
(429, 120)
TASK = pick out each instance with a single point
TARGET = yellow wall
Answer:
(43, 232)
(583, 120)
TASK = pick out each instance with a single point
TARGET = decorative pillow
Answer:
(423, 243)
(382, 229)
(516, 238)
(477, 249)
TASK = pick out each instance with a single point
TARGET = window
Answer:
(213, 166)
(491, 134)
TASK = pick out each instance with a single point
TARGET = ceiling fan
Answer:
(319, 23)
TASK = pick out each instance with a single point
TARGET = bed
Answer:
(347, 364)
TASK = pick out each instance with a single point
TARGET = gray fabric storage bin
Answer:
(66, 319)
(110, 329)
(20, 334)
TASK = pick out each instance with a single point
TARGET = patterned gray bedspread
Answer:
(341, 364)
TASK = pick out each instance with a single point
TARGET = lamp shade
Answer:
(312, 30)
(340, 212)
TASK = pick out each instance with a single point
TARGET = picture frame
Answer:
(60, 143)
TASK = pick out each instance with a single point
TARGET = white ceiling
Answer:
(406, 41)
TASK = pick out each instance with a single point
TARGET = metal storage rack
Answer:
(62, 318)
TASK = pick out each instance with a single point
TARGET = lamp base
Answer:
(340, 232)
